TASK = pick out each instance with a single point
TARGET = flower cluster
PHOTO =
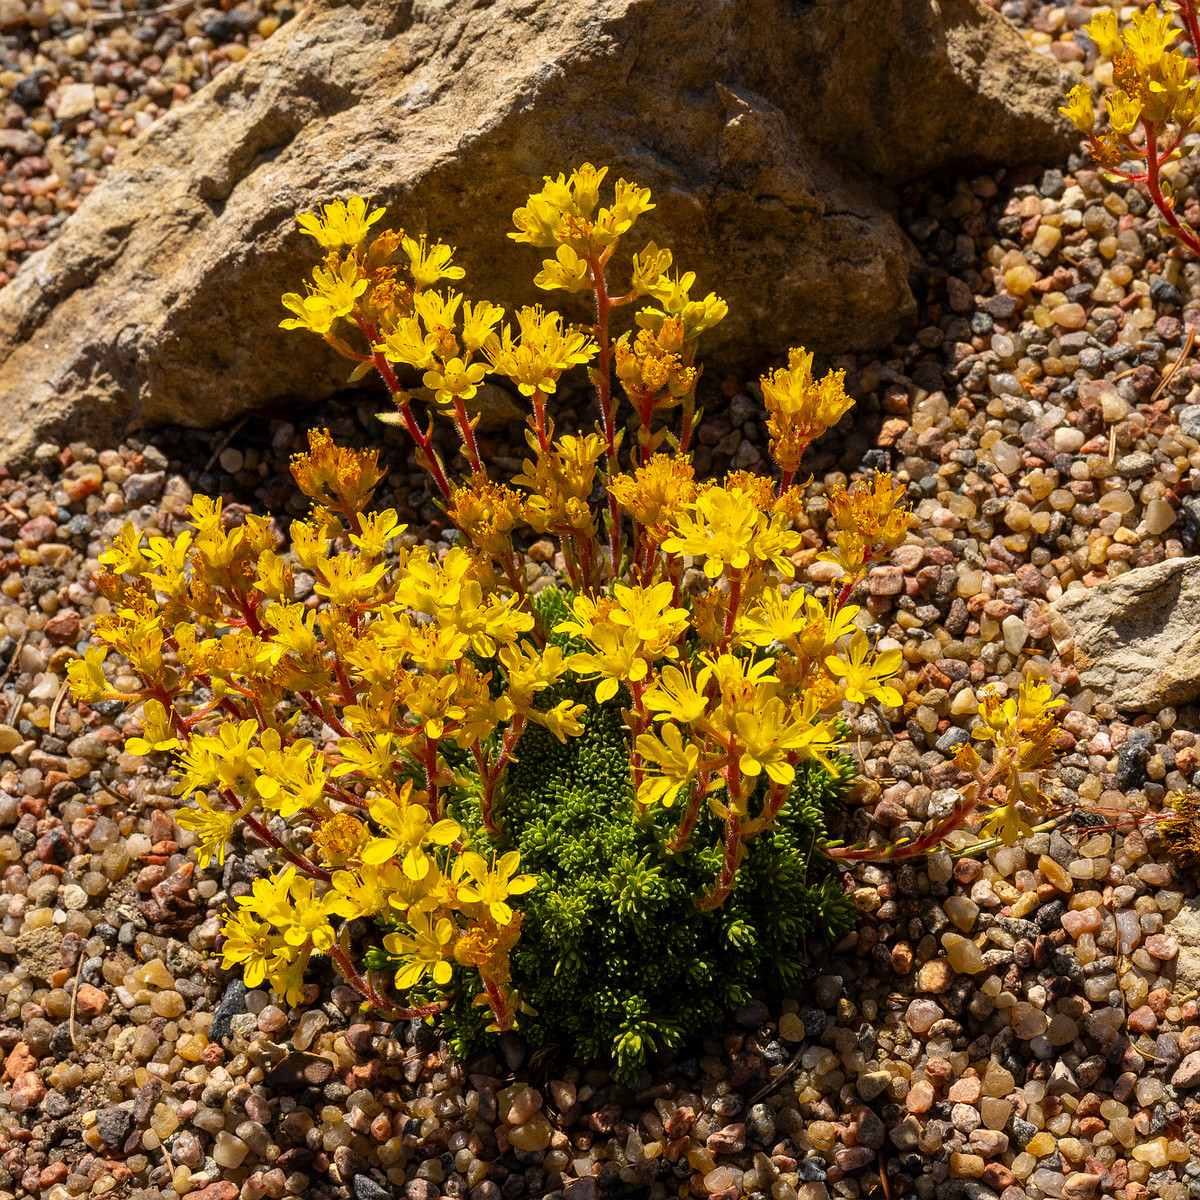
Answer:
(397, 666)
(1152, 105)
(367, 734)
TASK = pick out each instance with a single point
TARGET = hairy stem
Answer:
(400, 398)
(1154, 185)
(604, 388)
(730, 862)
(467, 432)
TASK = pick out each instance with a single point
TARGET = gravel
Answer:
(80, 80)
(1003, 1022)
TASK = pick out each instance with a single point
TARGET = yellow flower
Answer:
(340, 838)
(649, 267)
(656, 493)
(427, 947)
(564, 720)
(354, 894)
(1123, 111)
(800, 408)
(487, 512)
(331, 474)
(728, 531)
(454, 380)
(650, 613)
(1006, 824)
(157, 732)
(636, 627)
(492, 887)
(408, 343)
(86, 675)
(565, 271)
(674, 298)
(616, 658)
(124, 555)
(529, 670)
(307, 921)
(373, 757)
(1105, 30)
(270, 898)
(479, 320)
(339, 287)
(677, 696)
(862, 675)
(868, 520)
(214, 828)
(340, 223)
(676, 761)
(768, 737)
(312, 312)
(1148, 36)
(544, 350)
(540, 222)
(376, 530)
(251, 943)
(428, 265)
(406, 828)
(1079, 108)
(653, 364)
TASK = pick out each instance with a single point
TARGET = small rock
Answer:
(1187, 1074)
(115, 1126)
(90, 1001)
(299, 1071)
(75, 100)
(144, 487)
(223, 1190)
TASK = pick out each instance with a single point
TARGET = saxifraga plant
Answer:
(600, 810)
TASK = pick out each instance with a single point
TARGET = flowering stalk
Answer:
(1155, 91)
(1153, 180)
(608, 414)
(467, 431)
(730, 861)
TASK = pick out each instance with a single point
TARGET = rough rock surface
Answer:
(771, 132)
(1137, 637)
(1185, 927)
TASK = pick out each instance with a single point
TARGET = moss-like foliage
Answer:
(615, 959)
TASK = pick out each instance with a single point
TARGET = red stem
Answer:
(317, 709)
(729, 864)
(1187, 14)
(604, 387)
(435, 812)
(735, 599)
(463, 421)
(691, 813)
(1153, 162)
(262, 832)
(364, 987)
(497, 1001)
(539, 416)
(489, 778)
(424, 441)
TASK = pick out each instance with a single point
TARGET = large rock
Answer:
(1185, 928)
(1136, 638)
(772, 133)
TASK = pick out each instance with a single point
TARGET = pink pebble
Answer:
(1163, 946)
